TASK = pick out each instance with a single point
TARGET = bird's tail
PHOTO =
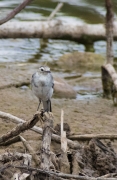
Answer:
(47, 106)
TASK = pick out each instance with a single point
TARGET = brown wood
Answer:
(27, 146)
(20, 128)
(56, 138)
(109, 82)
(46, 141)
(109, 31)
(45, 156)
(15, 11)
(87, 137)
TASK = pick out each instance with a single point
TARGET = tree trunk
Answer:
(109, 31)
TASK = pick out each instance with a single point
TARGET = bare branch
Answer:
(15, 11)
(20, 128)
(58, 7)
(56, 138)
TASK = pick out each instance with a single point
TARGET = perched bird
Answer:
(42, 86)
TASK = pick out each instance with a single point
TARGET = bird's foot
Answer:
(49, 115)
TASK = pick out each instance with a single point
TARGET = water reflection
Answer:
(34, 50)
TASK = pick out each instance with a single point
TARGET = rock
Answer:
(62, 89)
(79, 61)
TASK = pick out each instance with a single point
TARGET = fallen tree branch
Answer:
(15, 11)
(55, 137)
(20, 128)
(88, 137)
(55, 29)
(11, 141)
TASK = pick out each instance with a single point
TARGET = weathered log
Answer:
(55, 137)
(45, 156)
(46, 141)
(55, 29)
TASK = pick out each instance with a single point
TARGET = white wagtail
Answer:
(42, 86)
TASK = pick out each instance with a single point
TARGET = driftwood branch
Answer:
(55, 137)
(55, 29)
(15, 11)
(11, 141)
(20, 128)
(88, 137)
(58, 7)
(31, 151)
(46, 141)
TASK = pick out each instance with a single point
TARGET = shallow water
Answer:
(37, 50)
(34, 50)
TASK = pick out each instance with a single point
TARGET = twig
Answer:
(15, 11)
(86, 137)
(58, 7)
(63, 134)
(20, 128)
(31, 151)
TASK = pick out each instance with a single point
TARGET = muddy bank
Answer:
(90, 114)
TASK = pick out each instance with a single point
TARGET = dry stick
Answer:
(31, 151)
(58, 7)
(63, 134)
(11, 141)
(86, 137)
(15, 11)
(109, 31)
(55, 137)
(21, 127)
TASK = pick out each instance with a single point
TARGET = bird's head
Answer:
(44, 69)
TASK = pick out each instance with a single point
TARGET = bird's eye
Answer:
(41, 69)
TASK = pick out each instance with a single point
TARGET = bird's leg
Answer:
(49, 108)
(39, 104)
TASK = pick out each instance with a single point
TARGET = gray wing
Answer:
(52, 81)
(33, 82)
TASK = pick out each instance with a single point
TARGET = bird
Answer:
(42, 84)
